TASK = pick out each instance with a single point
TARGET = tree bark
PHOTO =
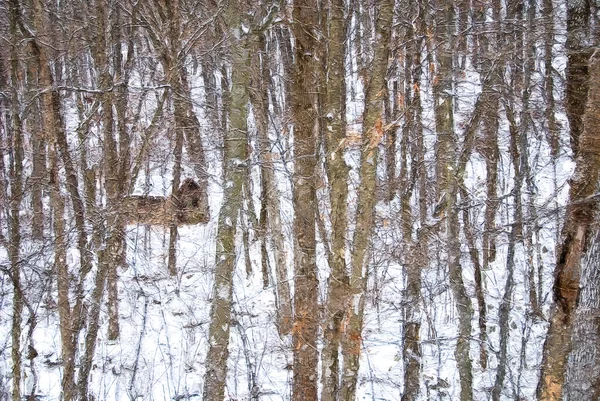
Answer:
(447, 182)
(305, 118)
(16, 154)
(334, 128)
(372, 133)
(583, 370)
(577, 71)
(235, 176)
(416, 252)
(38, 174)
(54, 131)
(514, 237)
(270, 213)
(580, 213)
(177, 155)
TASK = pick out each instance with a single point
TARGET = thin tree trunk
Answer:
(553, 132)
(260, 104)
(93, 321)
(38, 174)
(492, 157)
(334, 127)
(417, 252)
(210, 64)
(51, 104)
(63, 281)
(183, 114)
(177, 154)
(235, 176)
(514, 237)
(447, 193)
(411, 350)
(463, 302)
(15, 139)
(270, 216)
(479, 288)
(53, 129)
(527, 175)
(372, 133)
(106, 33)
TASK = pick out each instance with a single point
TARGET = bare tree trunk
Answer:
(447, 193)
(93, 321)
(15, 140)
(553, 128)
(210, 65)
(270, 214)
(577, 71)
(492, 70)
(53, 129)
(51, 104)
(531, 221)
(183, 114)
(305, 117)
(514, 237)
(411, 350)
(235, 177)
(177, 154)
(463, 302)
(38, 174)
(583, 371)
(372, 133)
(116, 143)
(63, 281)
(417, 252)
(122, 162)
(334, 128)
(580, 213)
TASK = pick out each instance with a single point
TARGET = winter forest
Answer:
(299, 200)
